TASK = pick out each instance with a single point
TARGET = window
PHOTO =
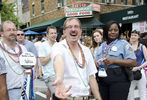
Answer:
(141, 2)
(134, 2)
(26, 4)
(42, 6)
(124, 2)
(33, 10)
(62, 2)
(103, 1)
(109, 1)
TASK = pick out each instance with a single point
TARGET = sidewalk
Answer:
(40, 90)
(39, 85)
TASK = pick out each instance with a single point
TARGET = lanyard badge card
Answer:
(101, 72)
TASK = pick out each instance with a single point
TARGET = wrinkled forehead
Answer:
(72, 22)
(9, 25)
(20, 32)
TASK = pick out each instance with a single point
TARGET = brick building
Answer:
(50, 12)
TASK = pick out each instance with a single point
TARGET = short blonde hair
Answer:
(69, 19)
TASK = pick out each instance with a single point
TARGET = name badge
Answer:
(114, 48)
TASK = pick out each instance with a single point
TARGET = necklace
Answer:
(82, 55)
(13, 59)
(11, 67)
(106, 48)
(13, 54)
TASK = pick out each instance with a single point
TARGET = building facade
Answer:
(44, 11)
(22, 11)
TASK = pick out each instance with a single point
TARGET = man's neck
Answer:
(10, 44)
(73, 45)
(21, 42)
(51, 43)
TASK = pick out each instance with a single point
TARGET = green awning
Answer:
(129, 15)
(42, 26)
(90, 22)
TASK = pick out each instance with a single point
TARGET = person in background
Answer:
(141, 54)
(37, 44)
(97, 38)
(74, 65)
(10, 51)
(112, 56)
(143, 39)
(3, 86)
(28, 45)
(44, 52)
(87, 41)
(100, 29)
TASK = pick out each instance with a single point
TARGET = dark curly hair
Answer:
(106, 29)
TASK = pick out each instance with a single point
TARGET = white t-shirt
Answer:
(74, 75)
(38, 45)
(44, 50)
(15, 73)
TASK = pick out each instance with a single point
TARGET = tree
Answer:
(7, 13)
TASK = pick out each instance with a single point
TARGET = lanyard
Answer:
(106, 48)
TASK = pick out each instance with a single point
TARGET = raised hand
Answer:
(60, 90)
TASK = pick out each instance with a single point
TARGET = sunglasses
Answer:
(20, 34)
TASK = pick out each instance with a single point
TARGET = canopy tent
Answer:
(44, 32)
(29, 32)
(42, 26)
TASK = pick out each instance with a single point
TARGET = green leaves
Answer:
(8, 13)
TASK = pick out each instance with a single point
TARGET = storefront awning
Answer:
(90, 22)
(42, 26)
(130, 15)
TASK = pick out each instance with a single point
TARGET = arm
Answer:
(3, 88)
(60, 90)
(120, 62)
(59, 67)
(45, 60)
(145, 57)
(94, 87)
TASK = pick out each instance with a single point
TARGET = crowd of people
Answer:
(77, 67)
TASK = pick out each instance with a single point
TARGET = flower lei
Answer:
(82, 55)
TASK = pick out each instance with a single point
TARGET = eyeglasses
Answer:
(70, 27)
(20, 34)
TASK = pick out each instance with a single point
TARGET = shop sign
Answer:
(81, 10)
(130, 15)
(140, 26)
(78, 11)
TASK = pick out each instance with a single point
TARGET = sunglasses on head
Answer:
(20, 34)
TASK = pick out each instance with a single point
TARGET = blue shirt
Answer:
(30, 47)
(120, 49)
